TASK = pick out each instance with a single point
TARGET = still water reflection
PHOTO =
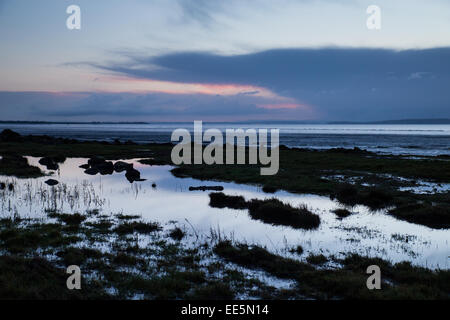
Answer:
(364, 232)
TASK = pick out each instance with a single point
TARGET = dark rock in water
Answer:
(98, 164)
(269, 189)
(121, 166)
(45, 161)
(105, 168)
(53, 166)
(8, 135)
(95, 161)
(59, 159)
(51, 182)
(133, 175)
(2, 186)
(153, 185)
(206, 188)
(50, 163)
(91, 171)
(342, 213)
(10, 187)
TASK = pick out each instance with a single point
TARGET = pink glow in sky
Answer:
(126, 84)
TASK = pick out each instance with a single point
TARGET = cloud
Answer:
(337, 82)
(200, 11)
(419, 75)
(92, 106)
(283, 84)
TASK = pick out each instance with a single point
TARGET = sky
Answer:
(216, 60)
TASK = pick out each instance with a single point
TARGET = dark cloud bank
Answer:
(341, 84)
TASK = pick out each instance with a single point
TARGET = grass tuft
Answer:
(137, 227)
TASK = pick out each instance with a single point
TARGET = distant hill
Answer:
(404, 121)
(68, 122)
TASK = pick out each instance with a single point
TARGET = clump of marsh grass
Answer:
(271, 211)
(177, 234)
(317, 259)
(275, 212)
(297, 250)
(74, 219)
(221, 200)
(433, 216)
(137, 227)
(374, 198)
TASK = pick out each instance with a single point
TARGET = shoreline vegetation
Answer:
(116, 265)
(271, 211)
(377, 179)
(125, 257)
(395, 121)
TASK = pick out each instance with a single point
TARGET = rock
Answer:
(2, 186)
(55, 159)
(205, 188)
(45, 161)
(59, 159)
(269, 189)
(121, 166)
(8, 135)
(98, 164)
(51, 182)
(50, 163)
(91, 171)
(133, 175)
(10, 187)
(105, 168)
(53, 166)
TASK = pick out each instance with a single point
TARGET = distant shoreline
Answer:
(402, 121)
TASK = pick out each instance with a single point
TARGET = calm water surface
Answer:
(364, 232)
(422, 139)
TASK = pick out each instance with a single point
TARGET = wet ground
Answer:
(165, 199)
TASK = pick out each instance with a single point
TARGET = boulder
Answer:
(53, 166)
(45, 161)
(8, 135)
(105, 168)
(49, 162)
(121, 166)
(91, 171)
(133, 175)
(85, 166)
(51, 182)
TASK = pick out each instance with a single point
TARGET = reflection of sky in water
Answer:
(364, 232)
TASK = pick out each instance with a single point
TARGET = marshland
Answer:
(219, 232)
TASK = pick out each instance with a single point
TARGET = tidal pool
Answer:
(364, 232)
